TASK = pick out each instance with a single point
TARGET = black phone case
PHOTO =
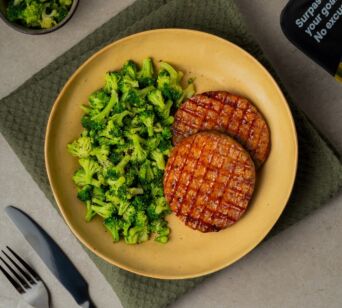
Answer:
(315, 27)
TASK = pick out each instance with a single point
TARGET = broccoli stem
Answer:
(114, 99)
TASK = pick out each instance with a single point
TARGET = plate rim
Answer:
(55, 195)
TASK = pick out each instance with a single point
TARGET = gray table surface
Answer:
(301, 267)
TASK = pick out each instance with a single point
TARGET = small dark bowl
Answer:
(23, 29)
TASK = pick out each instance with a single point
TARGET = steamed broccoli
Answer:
(169, 82)
(123, 148)
(98, 100)
(84, 176)
(38, 13)
(114, 99)
(138, 154)
(81, 147)
(156, 98)
(112, 82)
(147, 118)
(84, 193)
(158, 157)
(146, 174)
(89, 211)
(119, 117)
(146, 74)
(126, 83)
(114, 227)
(103, 209)
(101, 153)
(130, 69)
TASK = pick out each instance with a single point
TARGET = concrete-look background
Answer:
(301, 267)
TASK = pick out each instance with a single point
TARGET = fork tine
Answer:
(27, 267)
(16, 275)
(12, 281)
(27, 276)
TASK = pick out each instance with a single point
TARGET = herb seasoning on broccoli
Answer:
(41, 14)
(123, 149)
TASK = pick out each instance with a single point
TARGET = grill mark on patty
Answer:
(216, 184)
(228, 113)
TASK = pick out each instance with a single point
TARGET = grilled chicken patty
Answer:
(228, 113)
(208, 181)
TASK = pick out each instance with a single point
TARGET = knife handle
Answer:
(88, 304)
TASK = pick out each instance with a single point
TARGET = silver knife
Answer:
(53, 256)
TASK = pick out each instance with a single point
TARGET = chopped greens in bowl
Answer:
(123, 148)
(38, 14)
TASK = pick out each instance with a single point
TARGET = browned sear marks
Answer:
(209, 180)
(227, 113)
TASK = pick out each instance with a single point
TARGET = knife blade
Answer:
(52, 255)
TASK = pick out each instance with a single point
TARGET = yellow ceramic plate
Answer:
(217, 65)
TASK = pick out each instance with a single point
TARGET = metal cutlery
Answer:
(25, 280)
(52, 255)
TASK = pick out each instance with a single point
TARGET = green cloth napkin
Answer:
(24, 114)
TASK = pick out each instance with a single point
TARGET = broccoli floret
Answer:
(166, 133)
(111, 196)
(147, 118)
(161, 229)
(123, 207)
(81, 147)
(137, 97)
(130, 69)
(84, 193)
(65, 2)
(129, 214)
(98, 100)
(188, 92)
(111, 131)
(118, 117)
(174, 75)
(156, 189)
(130, 176)
(101, 153)
(158, 157)
(141, 218)
(32, 13)
(161, 206)
(138, 154)
(153, 143)
(84, 176)
(112, 80)
(103, 209)
(168, 82)
(146, 74)
(114, 227)
(115, 184)
(137, 234)
(118, 141)
(140, 203)
(114, 99)
(98, 193)
(165, 146)
(146, 174)
(133, 191)
(14, 10)
(156, 98)
(91, 125)
(120, 167)
(165, 113)
(126, 83)
(89, 211)
(48, 17)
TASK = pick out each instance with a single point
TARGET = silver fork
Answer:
(27, 282)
